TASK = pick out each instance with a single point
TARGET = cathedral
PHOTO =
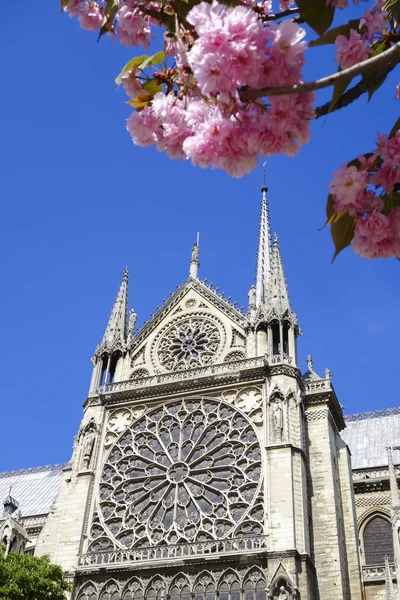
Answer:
(208, 467)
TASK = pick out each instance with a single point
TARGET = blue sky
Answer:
(79, 202)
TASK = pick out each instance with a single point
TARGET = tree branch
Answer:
(355, 92)
(388, 57)
(284, 13)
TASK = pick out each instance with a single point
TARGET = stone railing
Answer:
(279, 360)
(245, 545)
(165, 378)
(317, 385)
(375, 572)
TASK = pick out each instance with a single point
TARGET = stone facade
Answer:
(207, 465)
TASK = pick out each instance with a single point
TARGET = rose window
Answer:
(187, 471)
(190, 343)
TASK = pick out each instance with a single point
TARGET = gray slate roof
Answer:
(369, 434)
(34, 489)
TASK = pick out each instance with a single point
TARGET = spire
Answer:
(277, 297)
(117, 324)
(194, 262)
(264, 250)
(390, 594)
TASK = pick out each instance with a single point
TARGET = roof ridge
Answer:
(373, 414)
(43, 468)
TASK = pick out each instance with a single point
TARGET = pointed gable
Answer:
(194, 328)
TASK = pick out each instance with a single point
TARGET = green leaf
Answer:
(331, 214)
(330, 36)
(152, 86)
(394, 129)
(156, 59)
(141, 101)
(110, 11)
(340, 87)
(342, 232)
(134, 62)
(316, 14)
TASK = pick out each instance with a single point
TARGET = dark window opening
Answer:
(378, 541)
(276, 347)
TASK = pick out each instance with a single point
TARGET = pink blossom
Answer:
(230, 48)
(351, 51)
(144, 127)
(133, 27)
(347, 187)
(386, 177)
(132, 85)
(374, 236)
(285, 55)
(285, 4)
(72, 8)
(90, 16)
(373, 20)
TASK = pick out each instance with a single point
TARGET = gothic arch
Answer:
(110, 591)
(254, 585)
(87, 592)
(376, 538)
(229, 585)
(155, 589)
(133, 590)
(204, 587)
(179, 588)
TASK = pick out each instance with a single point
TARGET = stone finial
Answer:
(310, 365)
(328, 373)
(10, 504)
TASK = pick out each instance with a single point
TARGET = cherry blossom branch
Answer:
(388, 57)
(284, 13)
(355, 92)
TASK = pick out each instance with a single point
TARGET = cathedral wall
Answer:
(328, 536)
(61, 536)
(351, 540)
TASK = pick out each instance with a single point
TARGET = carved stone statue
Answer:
(88, 443)
(283, 595)
(195, 253)
(277, 416)
(252, 297)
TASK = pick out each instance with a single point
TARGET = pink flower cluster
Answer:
(133, 27)
(209, 124)
(359, 190)
(356, 48)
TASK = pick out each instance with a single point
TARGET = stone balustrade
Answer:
(189, 374)
(376, 572)
(171, 552)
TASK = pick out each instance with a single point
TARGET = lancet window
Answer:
(230, 585)
(378, 541)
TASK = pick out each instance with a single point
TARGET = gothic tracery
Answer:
(187, 471)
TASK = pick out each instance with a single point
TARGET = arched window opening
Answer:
(378, 541)
(286, 328)
(104, 364)
(255, 586)
(229, 590)
(276, 346)
(88, 593)
(113, 365)
(204, 591)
